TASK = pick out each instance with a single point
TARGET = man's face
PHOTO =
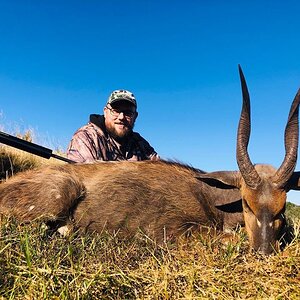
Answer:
(119, 119)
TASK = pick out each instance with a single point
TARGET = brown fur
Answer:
(163, 199)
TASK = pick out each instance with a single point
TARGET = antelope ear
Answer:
(294, 182)
(226, 195)
(221, 179)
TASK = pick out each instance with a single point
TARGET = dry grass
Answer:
(37, 265)
(13, 161)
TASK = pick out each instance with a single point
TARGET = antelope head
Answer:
(263, 188)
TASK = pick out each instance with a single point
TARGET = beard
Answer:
(119, 134)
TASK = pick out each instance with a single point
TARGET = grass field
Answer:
(36, 264)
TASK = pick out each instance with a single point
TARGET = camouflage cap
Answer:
(119, 95)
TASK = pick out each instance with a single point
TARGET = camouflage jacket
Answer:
(92, 142)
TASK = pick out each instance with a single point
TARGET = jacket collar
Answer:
(99, 121)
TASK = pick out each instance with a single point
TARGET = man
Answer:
(111, 136)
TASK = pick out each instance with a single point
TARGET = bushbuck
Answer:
(163, 199)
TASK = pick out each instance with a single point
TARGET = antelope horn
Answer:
(246, 167)
(291, 134)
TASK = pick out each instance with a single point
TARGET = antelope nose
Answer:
(266, 249)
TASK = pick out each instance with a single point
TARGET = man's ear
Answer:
(221, 179)
(105, 110)
(136, 115)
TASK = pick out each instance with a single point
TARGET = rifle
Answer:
(18, 143)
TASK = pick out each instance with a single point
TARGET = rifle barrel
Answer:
(18, 143)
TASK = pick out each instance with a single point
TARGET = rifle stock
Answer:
(32, 148)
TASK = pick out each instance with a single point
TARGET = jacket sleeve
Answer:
(82, 147)
(147, 150)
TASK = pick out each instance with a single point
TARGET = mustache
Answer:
(127, 124)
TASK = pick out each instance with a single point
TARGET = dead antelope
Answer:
(163, 199)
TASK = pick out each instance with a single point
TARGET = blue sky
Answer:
(59, 61)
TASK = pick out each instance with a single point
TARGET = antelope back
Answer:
(163, 199)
